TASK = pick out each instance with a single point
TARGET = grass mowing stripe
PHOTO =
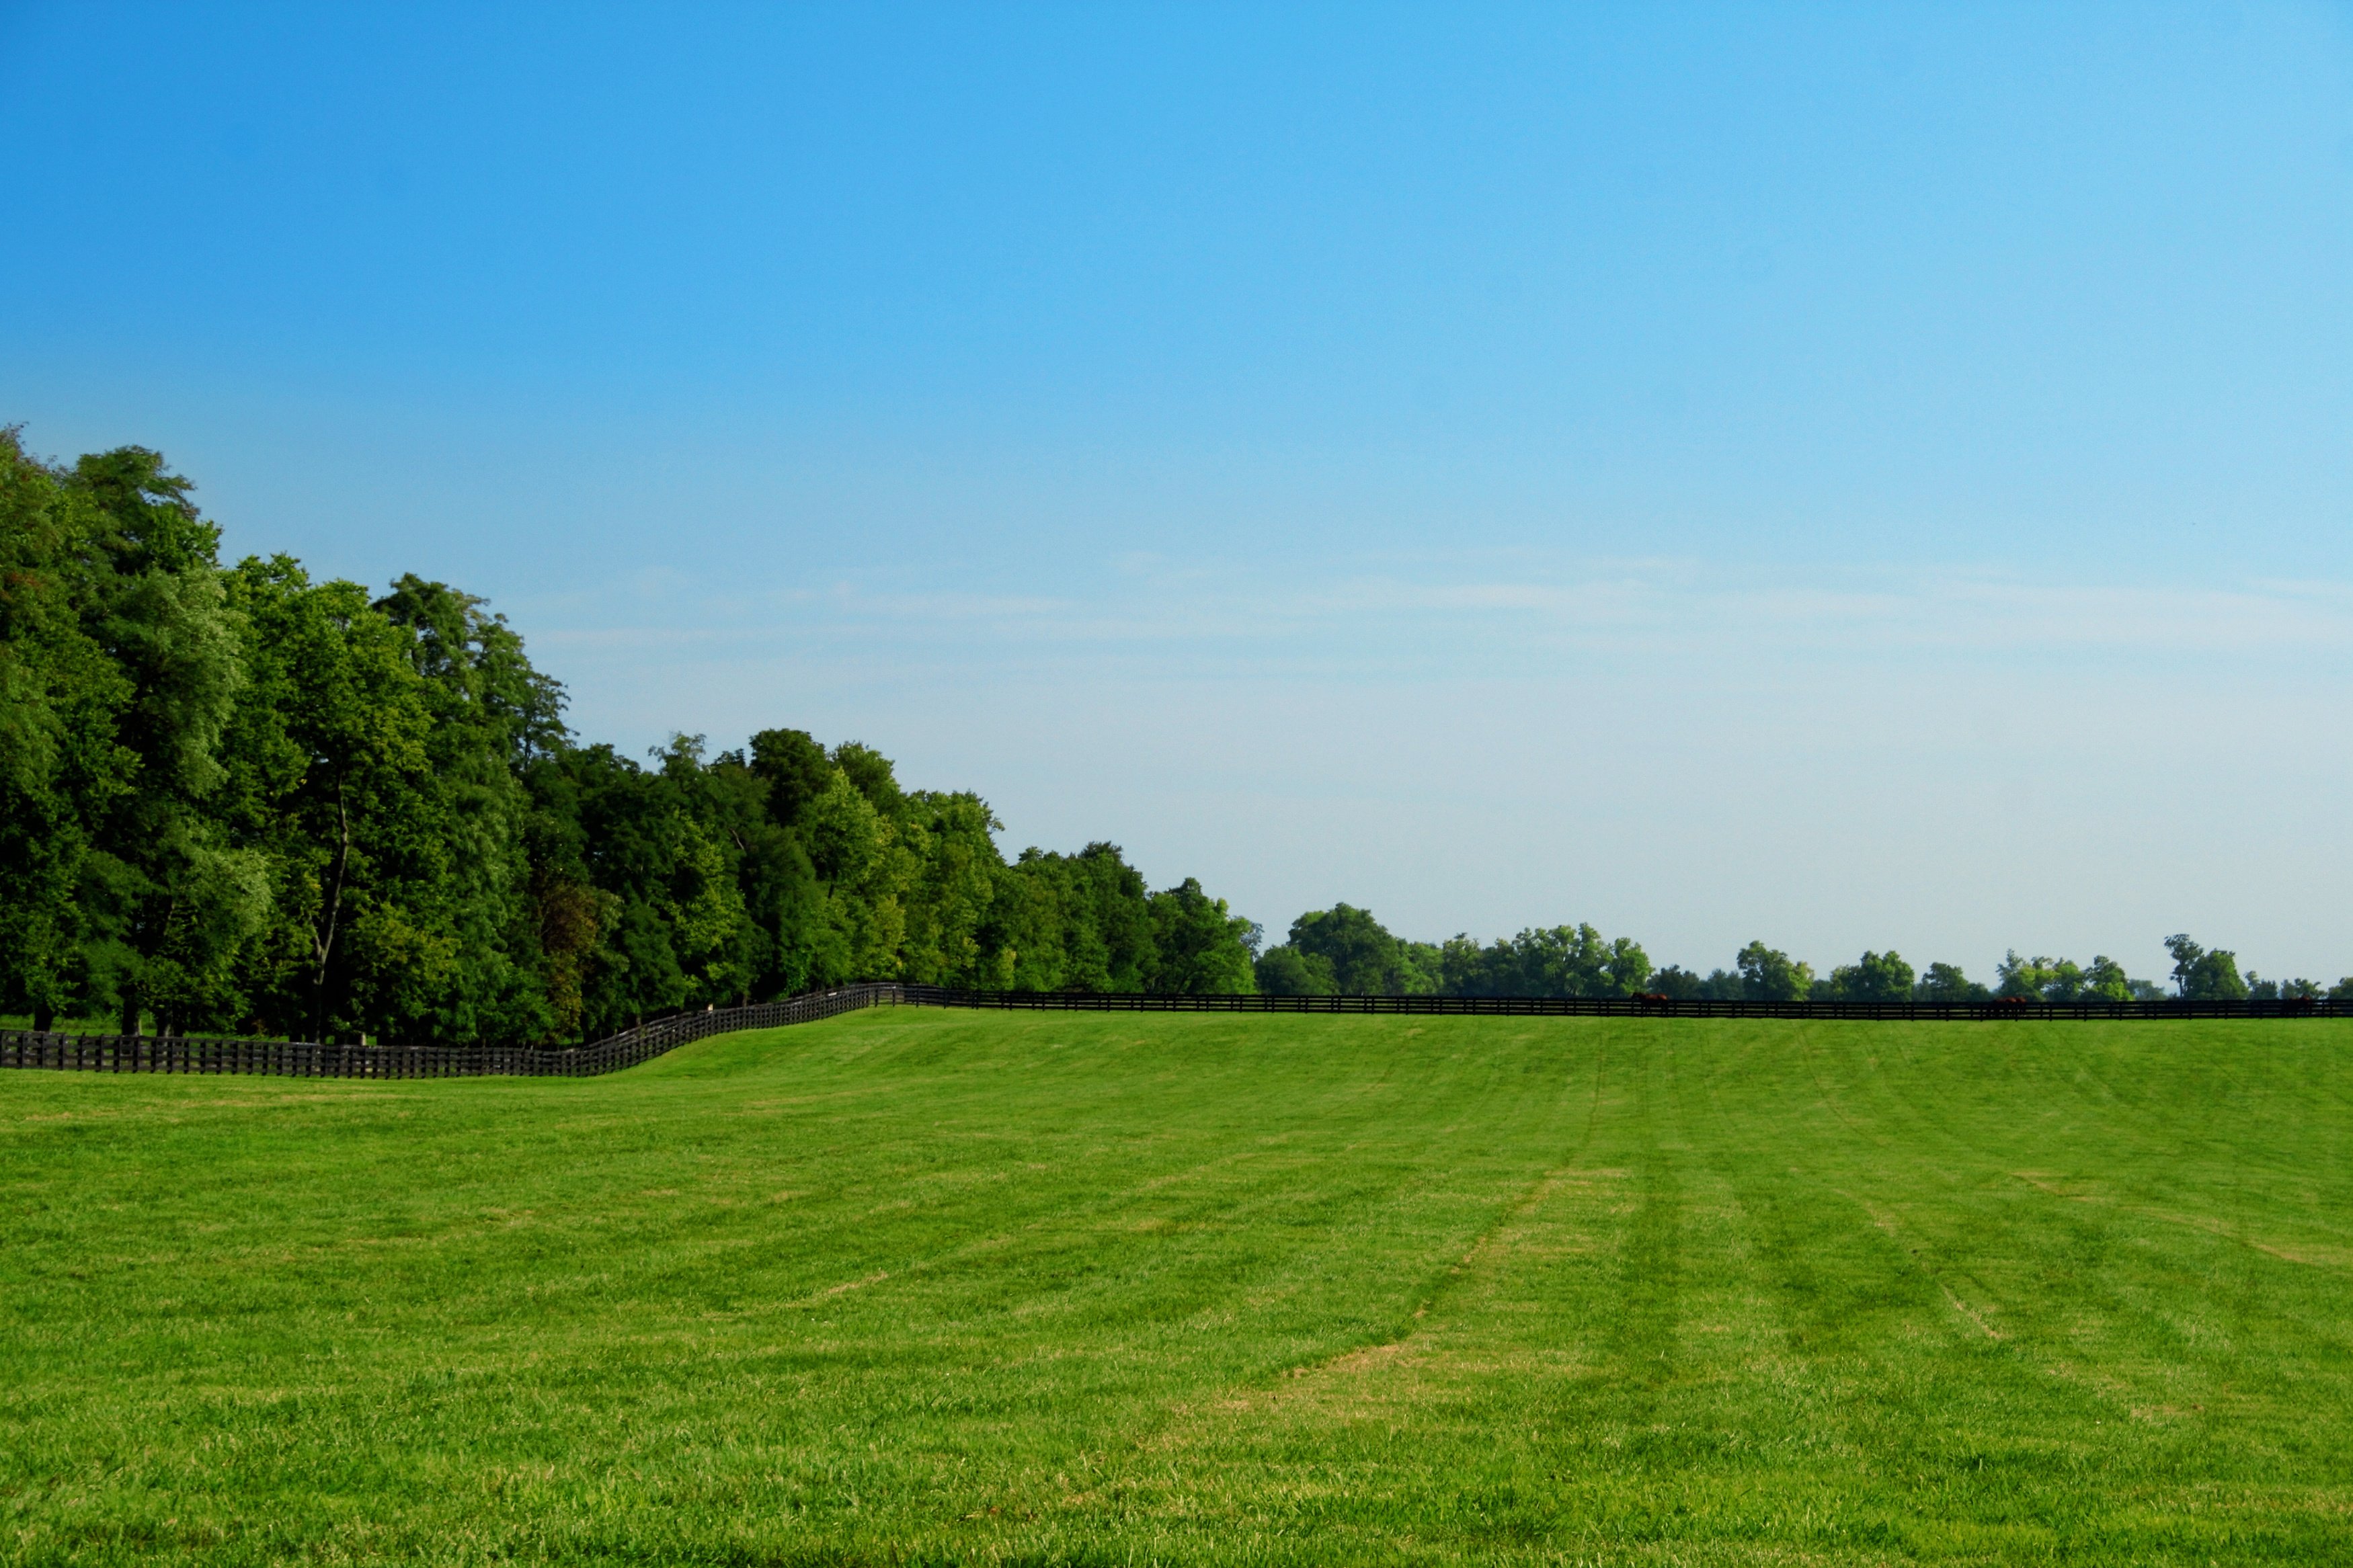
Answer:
(923, 1287)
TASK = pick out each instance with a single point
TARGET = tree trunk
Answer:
(43, 1016)
(322, 939)
(130, 1019)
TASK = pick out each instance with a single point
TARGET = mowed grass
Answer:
(927, 1287)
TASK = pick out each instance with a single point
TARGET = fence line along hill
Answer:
(57, 1051)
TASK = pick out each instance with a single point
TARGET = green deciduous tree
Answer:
(1078, 922)
(2103, 980)
(165, 899)
(1944, 984)
(61, 768)
(1768, 975)
(1363, 958)
(1202, 946)
(1882, 978)
(1549, 961)
(1284, 970)
(247, 799)
(2203, 975)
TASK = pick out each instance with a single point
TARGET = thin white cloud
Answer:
(1385, 624)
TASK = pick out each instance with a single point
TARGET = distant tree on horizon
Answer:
(2201, 975)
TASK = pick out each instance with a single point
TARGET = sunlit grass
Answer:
(935, 1286)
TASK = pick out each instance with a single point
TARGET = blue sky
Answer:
(1852, 476)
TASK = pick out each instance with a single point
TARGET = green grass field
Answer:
(932, 1287)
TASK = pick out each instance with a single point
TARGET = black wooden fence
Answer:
(297, 1059)
(1618, 1006)
(302, 1058)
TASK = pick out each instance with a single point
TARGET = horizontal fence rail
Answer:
(298, 1058)
(1637, 1006)
(301, 1059)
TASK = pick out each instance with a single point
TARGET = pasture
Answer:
(918, 1285)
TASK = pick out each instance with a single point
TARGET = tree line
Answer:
(1344, 950)
(237, 799)
(234, 798)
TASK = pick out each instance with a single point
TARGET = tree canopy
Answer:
(233, 797)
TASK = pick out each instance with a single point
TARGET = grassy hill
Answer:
(918, 1285)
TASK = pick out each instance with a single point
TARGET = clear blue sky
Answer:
(1852, 476)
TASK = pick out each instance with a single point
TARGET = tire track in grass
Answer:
(1839, 1303)
(2077, 1453)
(1949, 1234)
(1384, 1422)
(2311, 1256)
(1055, 1216)
(1473, 1273)
(2086, 1290)
(1908, 1249)
(2192, 1148)
(1896, 1122)
(1497, 1112)
(1488, 1248)
(1642, 1344)
(1275, 1148)
(1498, 1108)
(2176, 1388)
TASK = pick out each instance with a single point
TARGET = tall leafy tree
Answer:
(1075, 922)
(951, 839)
(2104, 980)
(1362, 956)
(1947, 984)
(2040, 977)
(167, 900)
(1549, 961)
(354, 776)
(1876, 977)
(1677, 983)
(616, 831)
(61, 699)
(1202, 946)
(1768, 975)
(2203, 975)
(1284, 970)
